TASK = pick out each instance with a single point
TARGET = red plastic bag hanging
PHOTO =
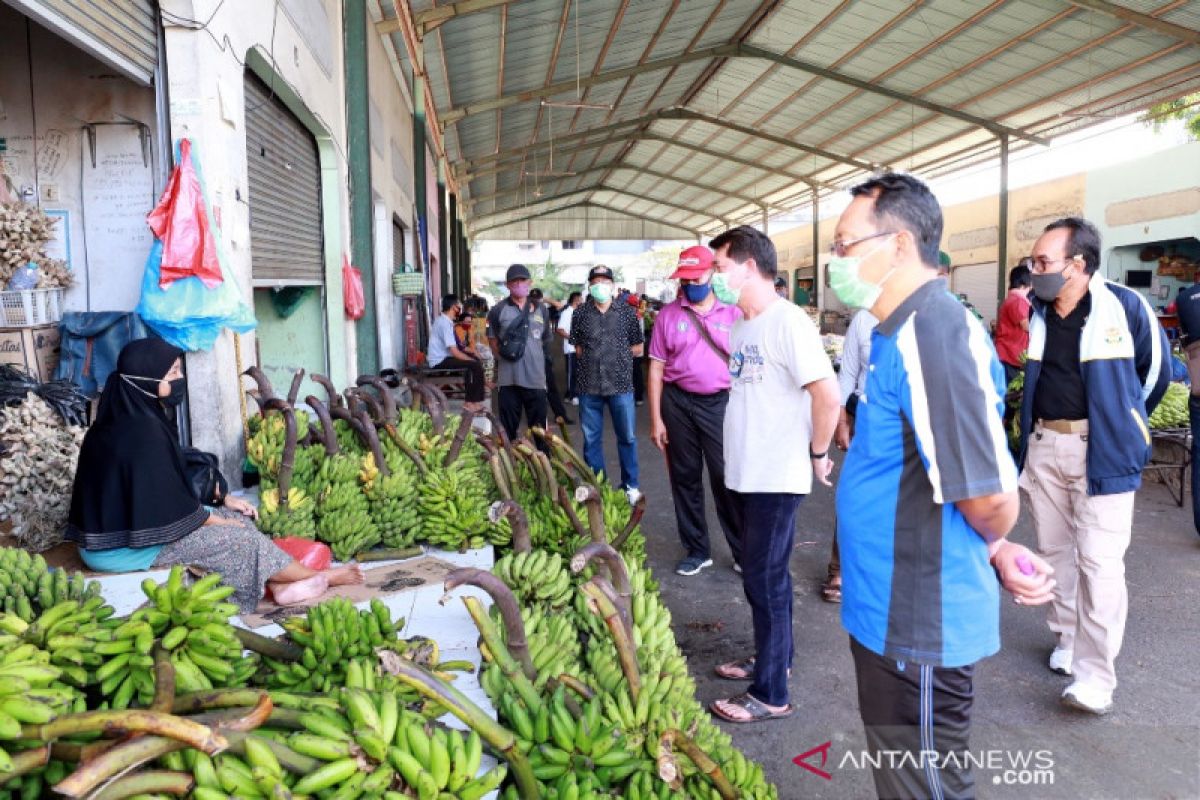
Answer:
(352, 290)
(314, 555)
(181, 223)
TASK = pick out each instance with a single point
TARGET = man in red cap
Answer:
(688, 390)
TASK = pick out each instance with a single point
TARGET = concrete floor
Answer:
(1149, 747)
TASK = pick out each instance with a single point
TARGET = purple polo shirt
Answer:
(690, 363)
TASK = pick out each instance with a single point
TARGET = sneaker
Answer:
(1060, 661)
(640, 403)
(634, 494)
(574, 401)
(737, 568)
(692, 565)
(1082, 697)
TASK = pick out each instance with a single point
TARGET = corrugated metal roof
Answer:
(925, 85)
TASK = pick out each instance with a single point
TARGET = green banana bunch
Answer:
(28, 586)
(264, 448)
(339, 643)
(538, 576)
(296, 520)
(392, 499)
(454, 510)
(30, 694)
(192, 624)
(412, 423)
(68, 633)
(347, 439)
(1172, 410)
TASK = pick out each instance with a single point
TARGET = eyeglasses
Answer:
(839, 248)
(1040, 264)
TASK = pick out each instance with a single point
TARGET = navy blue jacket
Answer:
(1187, 306)
(1124, 357)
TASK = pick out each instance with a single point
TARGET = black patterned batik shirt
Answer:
(605, 364)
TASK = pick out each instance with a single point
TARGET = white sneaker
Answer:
(634, 494)
(1060, 661)
(574, 401)
(1082, 697)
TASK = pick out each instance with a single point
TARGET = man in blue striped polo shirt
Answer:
(927, 494)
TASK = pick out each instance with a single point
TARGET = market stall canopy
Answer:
(598, 119)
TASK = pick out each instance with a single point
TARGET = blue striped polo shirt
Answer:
(916, 582)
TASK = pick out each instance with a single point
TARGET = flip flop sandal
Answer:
(758, 712)
(744, 670)
(831, 592)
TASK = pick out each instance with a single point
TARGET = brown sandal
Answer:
(831, 589)
(742, 670)
(758, 712)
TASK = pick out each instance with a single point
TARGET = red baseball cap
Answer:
(693, 263)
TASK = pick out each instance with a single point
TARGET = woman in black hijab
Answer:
(133, 509)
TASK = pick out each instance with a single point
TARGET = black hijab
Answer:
(130, 485)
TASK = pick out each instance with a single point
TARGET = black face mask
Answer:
(178, 392)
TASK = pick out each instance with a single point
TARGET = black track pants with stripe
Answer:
(917, 720)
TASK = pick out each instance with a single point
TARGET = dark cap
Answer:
(535, 294)
(780, 282)
(517, 272)
(600, 271)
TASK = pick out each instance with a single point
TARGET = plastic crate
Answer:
(26, 308)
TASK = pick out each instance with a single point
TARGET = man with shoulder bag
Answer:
(518, 334)
(688, 391)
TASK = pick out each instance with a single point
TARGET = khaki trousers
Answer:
(1084, 538)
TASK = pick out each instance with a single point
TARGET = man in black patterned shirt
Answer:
(607, 336)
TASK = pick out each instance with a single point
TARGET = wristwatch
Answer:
(811, 454)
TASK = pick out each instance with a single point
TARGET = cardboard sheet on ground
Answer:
(381, 581)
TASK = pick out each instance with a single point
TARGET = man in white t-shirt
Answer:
(564, 331)
(783, 408)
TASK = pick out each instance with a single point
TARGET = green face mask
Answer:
(601, 292)
(849, 286)
(724, 292)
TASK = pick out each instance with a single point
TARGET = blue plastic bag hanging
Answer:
(187, 313)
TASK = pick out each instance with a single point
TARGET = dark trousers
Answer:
(911, 708)
(552, 393)
(639, 379)
(768, 531)
(515, 400)
(1010, 372)
(571, 390)
(695, 437)
(1194, 415)
(474, 387)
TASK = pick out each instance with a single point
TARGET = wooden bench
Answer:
(451, 380)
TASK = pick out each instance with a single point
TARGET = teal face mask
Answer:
(849, 286)
(724, 292)
(601, 292)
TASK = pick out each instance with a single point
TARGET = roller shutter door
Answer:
(398, 259)
(978, 283)
(121, 33)
(286, 244)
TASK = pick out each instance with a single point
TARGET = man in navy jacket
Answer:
(1098, 365)
(1188, 307)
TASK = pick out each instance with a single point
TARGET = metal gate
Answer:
(121, 33)
(978, 283)
(284, 169)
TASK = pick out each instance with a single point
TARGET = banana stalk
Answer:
(407, 449)
(616, 568)
(517, 519)
(510, 611)
(145, 783)
(116, 760)
(287, 462)
(265, 392)
(499, 477)
(460, 437)
(272, 648)
(334, 398)
(328, 436)
(371, 439)
(635, 517)
(385, 395)
(577, 686)
(668, 768)
(26, 761)
(564, 500)
(564, 429)
(501, 740)
(119, 723)
(164, 681)
(600, 604)
(543, 461)
(569, 455)
(369, 404)
(431, 405)
(194, 702)
(389, 555)
(294, 391)
(588, 495)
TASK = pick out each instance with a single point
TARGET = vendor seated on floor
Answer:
(133, 509)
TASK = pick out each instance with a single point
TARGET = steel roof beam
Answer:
(731, 51)
(692, 212)
(585, 204)
(1146, 21)
(617, 166)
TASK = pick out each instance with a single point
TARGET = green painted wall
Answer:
(286, 345)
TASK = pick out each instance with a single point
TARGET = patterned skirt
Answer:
(245, 557)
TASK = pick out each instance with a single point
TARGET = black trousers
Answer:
(474, 386)
(639, 379)
(570, 375)
(514, 401)
(695, 437)
(552, 393)
(909, 709)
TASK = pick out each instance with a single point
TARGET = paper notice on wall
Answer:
(118, 192)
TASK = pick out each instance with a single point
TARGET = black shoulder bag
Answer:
(204, 476)
(514, 337)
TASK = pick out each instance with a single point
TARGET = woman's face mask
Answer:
(178, 392)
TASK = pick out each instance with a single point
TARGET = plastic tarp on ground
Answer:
(186, 312)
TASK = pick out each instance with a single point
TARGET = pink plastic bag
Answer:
(352, 290)
(314, 555)
(181, 223)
